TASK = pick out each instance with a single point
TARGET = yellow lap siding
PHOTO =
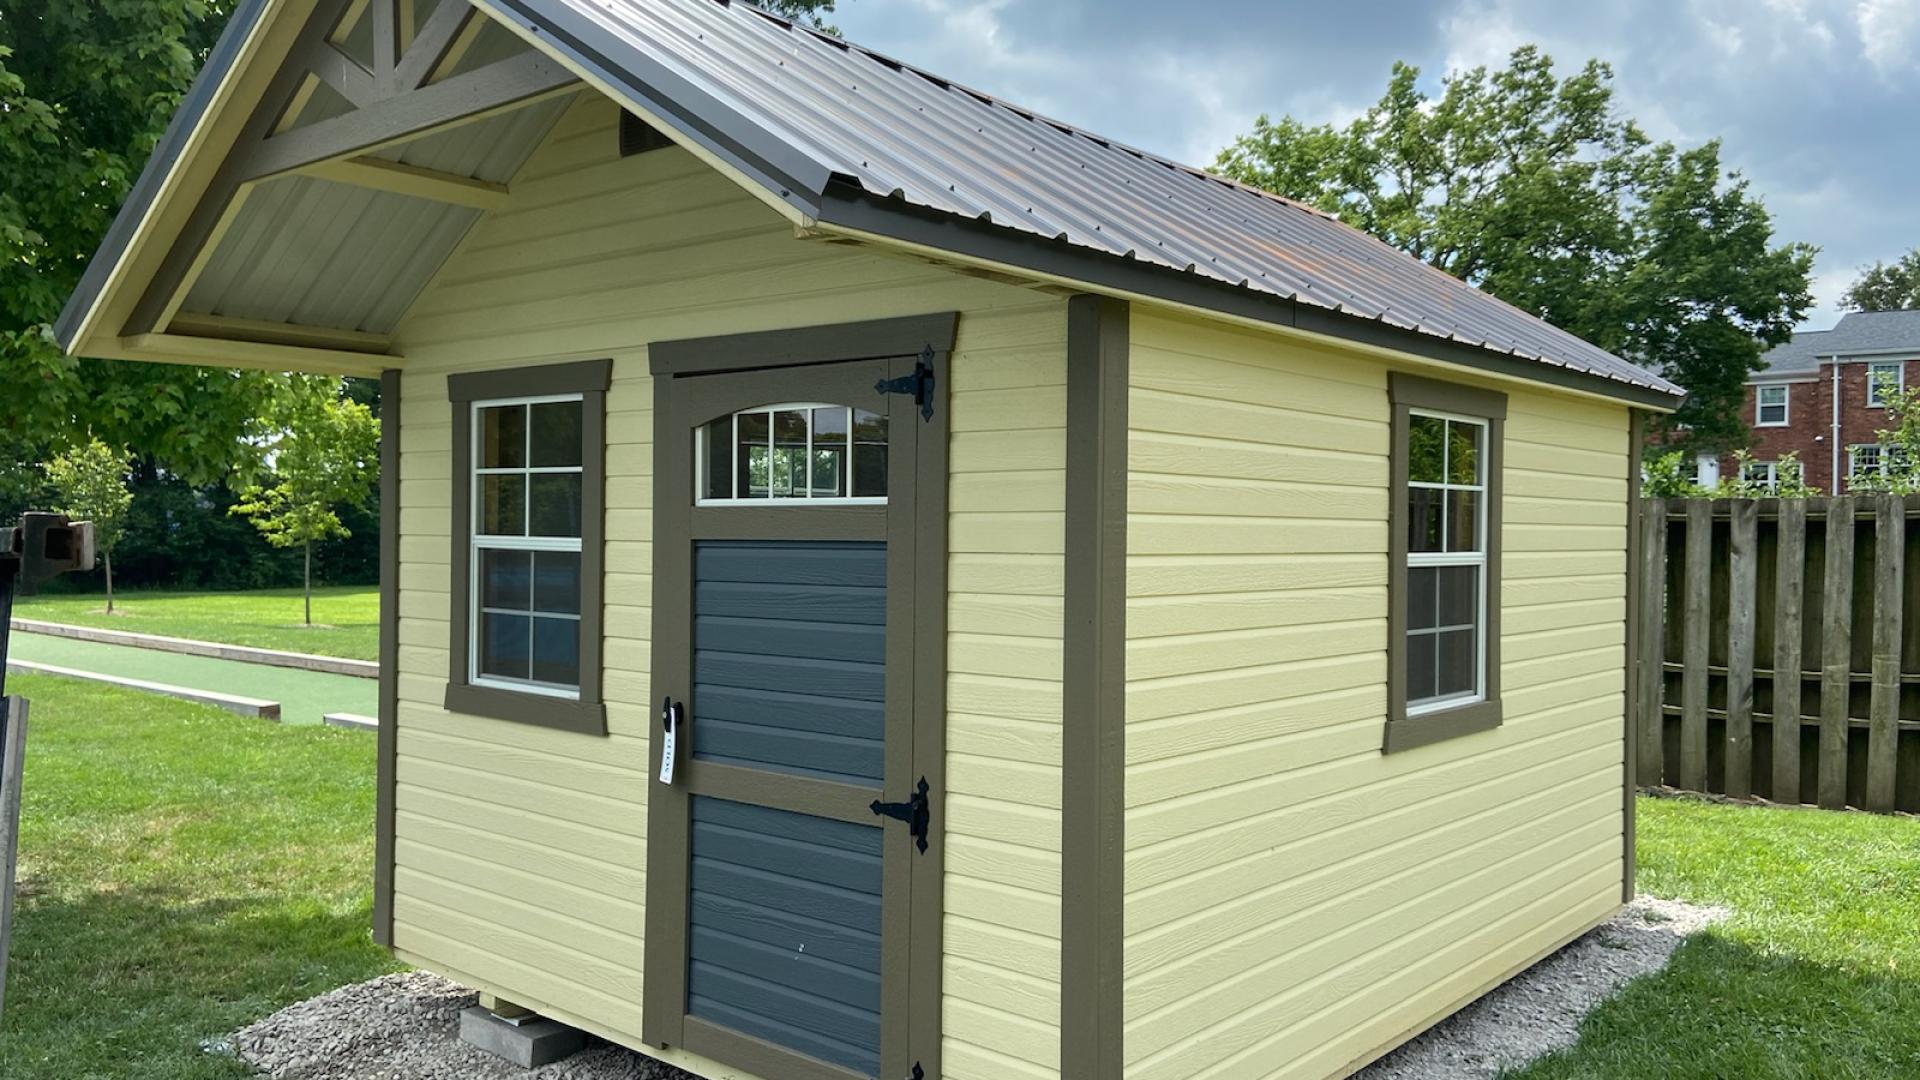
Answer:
(1296, 900)
(521, 851)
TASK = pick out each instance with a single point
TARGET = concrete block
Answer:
(528, 1042)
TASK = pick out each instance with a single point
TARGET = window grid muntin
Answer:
(700, 477)
(479, 542)
(1764, 473)
(1762, 405)
(1866, 459)
(1476, 559)
(1879, 386)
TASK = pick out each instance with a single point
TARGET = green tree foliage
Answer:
(91, 484)
(325, 458)
(86, 88)
(1532, 188)
(1883, 286)
(808, 11)
(1899, 448)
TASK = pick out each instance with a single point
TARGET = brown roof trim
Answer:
(858, 210)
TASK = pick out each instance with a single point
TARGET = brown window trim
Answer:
(1410, 392)
(590, 379)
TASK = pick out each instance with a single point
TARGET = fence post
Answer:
(1889, 594)
(1788, 604)
(1652, 642)
(1743, 582)
(13, 745)
(1836, 655)
(1695, 654)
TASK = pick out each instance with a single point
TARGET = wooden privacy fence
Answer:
(1780, 649)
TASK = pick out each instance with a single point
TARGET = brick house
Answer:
(1789, 403)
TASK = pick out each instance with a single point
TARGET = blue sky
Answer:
(1818, 101)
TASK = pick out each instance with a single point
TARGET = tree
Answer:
(1886, 286)
(808, 11)
(86, 88)
(1531, 187)
(326, 457)
(91, 484)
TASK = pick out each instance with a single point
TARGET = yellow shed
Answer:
(878, 583)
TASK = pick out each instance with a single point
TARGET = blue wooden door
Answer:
(782, 848)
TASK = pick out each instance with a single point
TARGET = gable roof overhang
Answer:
(310, 186)
(847, 143)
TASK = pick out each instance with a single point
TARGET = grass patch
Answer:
(1817, 974)
(346, 620)
(184, 872)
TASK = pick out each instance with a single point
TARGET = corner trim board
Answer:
(1635, 667)
(1093, 796)
(387, 739)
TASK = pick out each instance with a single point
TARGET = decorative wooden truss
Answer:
(410, 83)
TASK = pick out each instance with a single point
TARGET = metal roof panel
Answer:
(928, 143)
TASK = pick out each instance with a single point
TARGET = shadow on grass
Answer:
(1724, 1009)
(129, 983)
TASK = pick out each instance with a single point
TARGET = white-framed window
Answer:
(804, 454)
(1866, 459)
(1764, 474)
(1885, 379)
(528, 480)
(1771, 406)
(1447, 546)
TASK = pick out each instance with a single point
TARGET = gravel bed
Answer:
(1539, 1010)
(406, 1027)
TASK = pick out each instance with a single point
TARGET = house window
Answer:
(793, 454)
(1884, 382)
(528, 477)
(1866, 460)
(1772, 405)
(1872, 460)
(1763, 474)
(528, 482)
(1444, 660)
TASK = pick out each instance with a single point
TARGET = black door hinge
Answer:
(917, 812)
(920, 384)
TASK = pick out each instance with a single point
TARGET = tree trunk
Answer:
(108, 558)
(308, 547)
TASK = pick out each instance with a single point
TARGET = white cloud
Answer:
(1887, 32)
(1481, 33)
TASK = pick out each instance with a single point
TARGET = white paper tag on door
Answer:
(670, 718)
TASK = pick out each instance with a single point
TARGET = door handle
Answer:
(672, 719)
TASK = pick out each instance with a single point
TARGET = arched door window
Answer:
(810, 454)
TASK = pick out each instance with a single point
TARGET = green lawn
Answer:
(1816, 975)
(184, 872)
(346, 620)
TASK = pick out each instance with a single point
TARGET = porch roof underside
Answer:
(847, 141)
